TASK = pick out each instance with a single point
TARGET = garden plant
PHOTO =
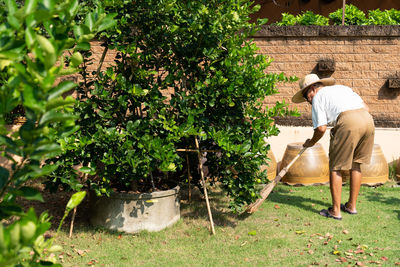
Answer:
(39, 43)
(183, 70)
(353, 16)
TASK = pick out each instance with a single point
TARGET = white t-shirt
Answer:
(330, 101)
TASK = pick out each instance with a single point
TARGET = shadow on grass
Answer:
(388, 200)
(286, 197)
(197, 207)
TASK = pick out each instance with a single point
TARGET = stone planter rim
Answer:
(145, 196)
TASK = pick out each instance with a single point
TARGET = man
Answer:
(352, 135)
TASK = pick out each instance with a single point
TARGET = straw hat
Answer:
(308, 80)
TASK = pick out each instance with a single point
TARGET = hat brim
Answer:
(298, 97)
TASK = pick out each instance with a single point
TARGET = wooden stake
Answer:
(343, 13)
(189, 177)
(204, 186)
(71, 227)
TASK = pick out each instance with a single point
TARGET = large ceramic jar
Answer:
(270, 166)
(312, 167)
(374, 173)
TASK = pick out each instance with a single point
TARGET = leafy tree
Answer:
(184, 69)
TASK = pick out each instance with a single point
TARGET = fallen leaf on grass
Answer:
(384, 258)
(346, 232)
(309, 245)
(244, 243)
(276, 206)
(336, 252)
(397, 263)
(359, 263)
(300, 232)
(252, 233)
(246, 259)
(236, 237)
(311, 252)
(120, 236)
(375, 262)
(359, 251)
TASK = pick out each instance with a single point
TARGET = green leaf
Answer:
(30, 193)
(63, 87)
(75, 200)
(55, 116)
(252, 233)
(4, 174)
(85, 169)
(29, 37)
(11, 6)
(30, 5)
(106, 23)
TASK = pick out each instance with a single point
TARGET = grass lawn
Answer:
(285, 231)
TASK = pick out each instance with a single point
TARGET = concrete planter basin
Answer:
(134, 212)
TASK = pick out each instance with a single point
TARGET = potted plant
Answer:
(182, 71)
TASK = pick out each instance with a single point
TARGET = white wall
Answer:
(387, 138)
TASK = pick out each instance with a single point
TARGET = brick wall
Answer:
(365, 57)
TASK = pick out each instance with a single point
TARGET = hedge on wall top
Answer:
(353, 16)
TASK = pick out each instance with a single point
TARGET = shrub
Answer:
(183, 70)
(353, 16)
(386, 17)
(306, 18)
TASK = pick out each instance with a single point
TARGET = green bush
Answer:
(306, 18)
(353, 16)
(183, 70)
(385, 17)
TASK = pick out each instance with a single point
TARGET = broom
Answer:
(268, 188)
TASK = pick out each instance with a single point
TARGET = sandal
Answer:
(344, 208)
(327, 214)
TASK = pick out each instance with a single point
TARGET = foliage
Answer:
(353, 16)
(385, 17)
(184, 69)
(306, 18)
(40, 43)
(22, 243)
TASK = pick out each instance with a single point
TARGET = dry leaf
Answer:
(359, 251)
(359, 263)
(310, 252)
(309, 245)
(384, 258)
(346, 232)
(397, 263)
(343, 259)
(237, 237)
(246, 259)
(300, 232)
(277, 206)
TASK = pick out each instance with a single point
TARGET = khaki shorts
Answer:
(352, 139)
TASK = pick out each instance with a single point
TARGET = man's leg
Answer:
(355, 184)
(335, 181)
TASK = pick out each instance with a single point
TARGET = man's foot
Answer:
(344, 208)
(328, 214)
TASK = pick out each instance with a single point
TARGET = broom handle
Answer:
(268, 188)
